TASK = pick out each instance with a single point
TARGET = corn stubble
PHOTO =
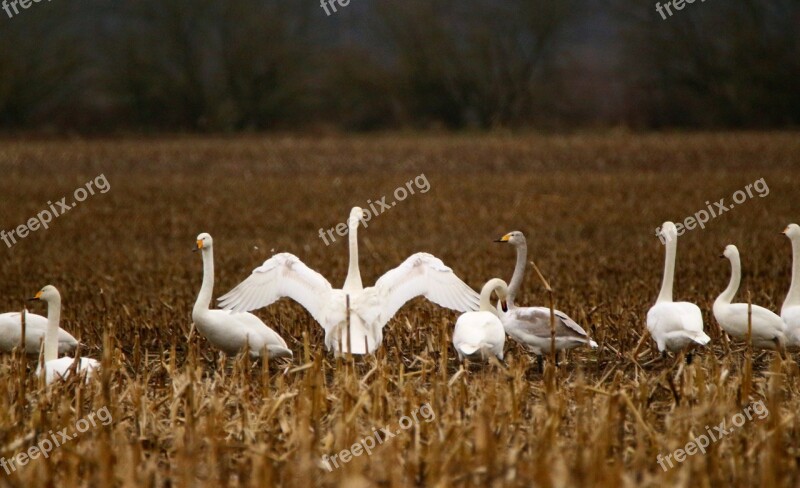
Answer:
(186, 416)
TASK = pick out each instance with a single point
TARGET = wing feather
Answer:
(536, 321)
(424, 275)
(282, 275)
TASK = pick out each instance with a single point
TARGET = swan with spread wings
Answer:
(371, 308)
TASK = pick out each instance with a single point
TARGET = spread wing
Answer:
(423, 275)
(282, 275)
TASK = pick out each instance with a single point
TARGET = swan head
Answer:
(515, 238)
(356, 216)
(668, 231)
(47, 294)
(792, 231)
(204, 241)
(730, 252)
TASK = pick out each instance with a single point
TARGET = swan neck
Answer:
(793, 297)
(353, 280)
(51, 333)
(733, 286)
(486, 298)
(207, 289)
(665, 295)
(519, 273)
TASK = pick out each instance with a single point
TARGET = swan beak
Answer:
(785, 231)
(505, 238)
(722, 255)
(36, 297)
(504, 305)
(199, 246)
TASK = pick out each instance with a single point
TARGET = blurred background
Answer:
(103, 66)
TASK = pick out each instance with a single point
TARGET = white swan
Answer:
(674, 325)
(284, 275)
(480, 334)
(531, 325)
(55, 367)
(790, 312)
(226, 330)
(35, 327)
(766, 326)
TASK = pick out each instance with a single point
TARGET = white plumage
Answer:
(35, 327)
(371, 308)
(766, 326)
(226, 330)
(790, 312)
(674, 325)
(54, 367)
(479, 335)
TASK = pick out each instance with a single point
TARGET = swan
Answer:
(674, 325)
(766, 326)
(371, 308)
(35, 327)
(531, 325)
(55, 367)
(790, 312)
(480, 334)
(226, 330)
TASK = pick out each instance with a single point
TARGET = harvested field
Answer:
(183, 416)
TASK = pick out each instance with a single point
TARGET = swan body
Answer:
(480, 334)
(60, 368)
(766, 326)
(674, 325)
(35, 327)
(790, 312)
(55, 368)
(229, 331)
(530, 326)
(371, 308)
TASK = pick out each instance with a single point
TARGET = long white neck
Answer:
(486, 296)
(793, 297)
(519, 273)
(736, 277)
(204, 297)
(665, 295)
(51, 333)
(353, 280)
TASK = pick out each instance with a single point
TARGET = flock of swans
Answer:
(676, 326)
(353, 317)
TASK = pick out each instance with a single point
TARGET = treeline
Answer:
(204, 65)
